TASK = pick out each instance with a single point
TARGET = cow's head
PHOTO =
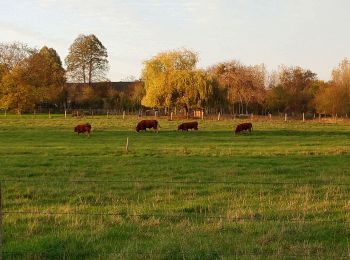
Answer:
(238, 129)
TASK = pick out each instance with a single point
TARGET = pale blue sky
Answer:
(311, 33)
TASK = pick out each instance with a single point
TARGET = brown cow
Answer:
(83, 128)
(244, 127)
(144, 124)
(188, 125)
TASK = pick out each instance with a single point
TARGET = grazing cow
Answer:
(144, 124)
(83, 128)
(244, 127)
(188, 125)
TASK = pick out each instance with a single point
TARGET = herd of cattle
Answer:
(144, 124)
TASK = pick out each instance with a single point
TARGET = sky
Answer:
(313, 34)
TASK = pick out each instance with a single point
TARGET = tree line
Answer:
(32, 78)
(172, 80)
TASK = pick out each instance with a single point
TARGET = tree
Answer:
(172, 80)
(294, 90)
(44, 71)
(11, 54)
(277, 98)
(87, 59)
(35, 79)
(334, 98)
(243, 84)
(15, 92)
(341, 75)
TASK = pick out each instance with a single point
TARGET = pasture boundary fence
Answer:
(190, 182)
(165, 216)
(209, 254)
(141, 113)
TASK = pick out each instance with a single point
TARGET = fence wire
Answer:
(179, 216)
(214, 254)
(198, 182)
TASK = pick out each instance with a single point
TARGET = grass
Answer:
(284, 190)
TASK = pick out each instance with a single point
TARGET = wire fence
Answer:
(193, 114)
(254, 218)
(175, 216)
(170, 254)
(186, 182)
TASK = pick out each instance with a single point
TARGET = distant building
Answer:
(120, 86)
(113, 95)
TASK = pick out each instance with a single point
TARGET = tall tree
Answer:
(242, 84)
(11, 54)
(341, 75)
(87, 59)
(334, 98)
(294, 90)
(44, 71)
(15, 92)
(172, 80)
(36, 79)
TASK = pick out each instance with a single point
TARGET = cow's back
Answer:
(82, 128)
(143, 124)
(188, 125)
(244, 127)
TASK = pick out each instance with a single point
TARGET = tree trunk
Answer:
(90, 72)
(241, 104)
(84, 76)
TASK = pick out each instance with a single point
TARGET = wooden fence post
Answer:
(202, 114)
(171, 116)
(285, 117)
(270, 116)
(65, 113)
(219, 116)
(303, 117)
(127, 145)
(123, 114)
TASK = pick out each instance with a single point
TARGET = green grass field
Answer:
(282, 191)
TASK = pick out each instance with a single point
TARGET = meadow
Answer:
(282, 191)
